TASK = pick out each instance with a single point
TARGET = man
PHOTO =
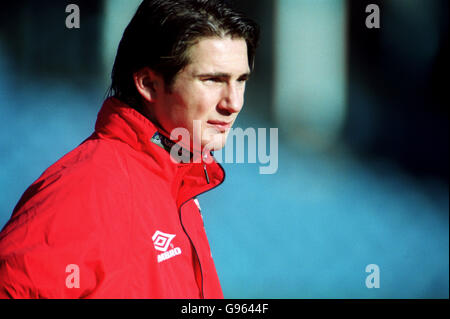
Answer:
(118, 216)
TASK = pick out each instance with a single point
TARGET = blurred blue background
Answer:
(363, 139)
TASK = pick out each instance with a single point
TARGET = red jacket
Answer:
(114, 218)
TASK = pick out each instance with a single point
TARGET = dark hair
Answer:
(162, 31)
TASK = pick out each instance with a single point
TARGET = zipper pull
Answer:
(204, 168)
(206, 173)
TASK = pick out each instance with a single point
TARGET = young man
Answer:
(118, 216)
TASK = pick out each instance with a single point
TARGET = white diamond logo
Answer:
(161, 240)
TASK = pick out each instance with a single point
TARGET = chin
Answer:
(215, 142)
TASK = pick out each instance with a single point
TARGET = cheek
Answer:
(179, 110)
(192, 103)
(201, 106)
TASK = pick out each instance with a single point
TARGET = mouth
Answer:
(221, 126)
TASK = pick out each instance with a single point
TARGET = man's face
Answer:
(210, 90)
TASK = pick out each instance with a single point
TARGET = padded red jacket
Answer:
(114, 218)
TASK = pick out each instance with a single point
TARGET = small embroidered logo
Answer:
(161, 241)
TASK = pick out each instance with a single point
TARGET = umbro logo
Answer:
(161, 242)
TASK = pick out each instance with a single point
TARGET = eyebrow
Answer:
(244, 76)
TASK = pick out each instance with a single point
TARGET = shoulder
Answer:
(95, 163)
(84, 183)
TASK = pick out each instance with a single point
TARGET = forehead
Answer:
(219, 55)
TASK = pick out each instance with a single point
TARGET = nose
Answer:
(232, 98)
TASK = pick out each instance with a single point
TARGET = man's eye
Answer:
(212, 80)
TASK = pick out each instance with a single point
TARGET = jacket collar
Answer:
(118, 121)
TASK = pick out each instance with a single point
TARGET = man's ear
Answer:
(147, 83)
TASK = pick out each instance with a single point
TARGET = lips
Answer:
(220, 125)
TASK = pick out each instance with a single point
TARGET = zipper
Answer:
(196, 253)
(184, 229)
